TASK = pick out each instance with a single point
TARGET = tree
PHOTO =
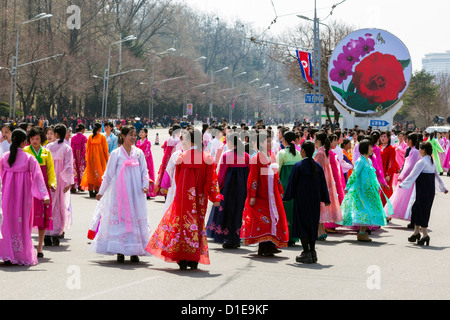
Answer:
(422, 100)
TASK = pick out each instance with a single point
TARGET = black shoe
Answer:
(120, 258)
(134, 259)
(314, 256)
(40, 255)
(55, 241)
(91, 194)
(423, 241)
(304, 257)
(183, 264)
(414, 238)
(193, 265)
(48, 241)
(264, 249)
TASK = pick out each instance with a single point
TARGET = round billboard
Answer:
(369, 71)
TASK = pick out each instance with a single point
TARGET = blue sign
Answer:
(378, 123)
(309, 98)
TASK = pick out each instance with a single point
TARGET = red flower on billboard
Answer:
(379, 78)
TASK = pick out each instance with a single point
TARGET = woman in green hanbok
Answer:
(437, 148)
(286, 159)
(362, 204)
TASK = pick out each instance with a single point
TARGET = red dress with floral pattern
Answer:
(181, 234)
(266, 220)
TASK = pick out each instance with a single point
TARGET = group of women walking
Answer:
(235, 186)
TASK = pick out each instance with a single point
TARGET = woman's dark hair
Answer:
(61, 130)
(375, 136)
(322, 136)
(10, 126)
(428, 148)
(145, 130)
(204, 127)
(47, 129)
(17, 138)
(364, 146)
(23, 126)
(237, 143)
(36, 131)
(80, 127)
(309, 148)
(125, 130)
(109, 124)
(195, 136)
(261, 137)
(289, 137)
(415, 140)
(97, 126)
(345, 142)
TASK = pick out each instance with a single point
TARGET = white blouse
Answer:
(424, 165)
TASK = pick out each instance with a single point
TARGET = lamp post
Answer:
(15, 62)
(212, 91)
(150, 111)
(129, 38)
(105, 73)
(160, 82)
(317, 91)
(232, 85)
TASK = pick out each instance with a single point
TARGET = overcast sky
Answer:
(423, 26)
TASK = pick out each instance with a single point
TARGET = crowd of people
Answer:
(234, 185)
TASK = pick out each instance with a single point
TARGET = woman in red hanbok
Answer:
(390, 166)
(264, 219)
(78, 144)
(181, 234)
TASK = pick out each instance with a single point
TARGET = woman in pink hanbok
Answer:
(22, 180)
(403, 199)
(400, 151)
(146, 147)
(445, 144)
(61, 206)
(331, 213)
(78, 144)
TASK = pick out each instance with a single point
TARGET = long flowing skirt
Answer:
(225, 221)
(42, 213)
(111, 235)
(425, 193)
(402, 200)
(17, 244)
(288, 205)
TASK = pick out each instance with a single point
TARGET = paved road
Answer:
(388, 268)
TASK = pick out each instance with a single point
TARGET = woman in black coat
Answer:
(308, 187)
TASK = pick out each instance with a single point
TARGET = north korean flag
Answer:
(304, 58)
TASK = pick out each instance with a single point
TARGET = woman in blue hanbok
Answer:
(362, 204)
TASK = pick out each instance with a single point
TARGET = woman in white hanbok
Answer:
(120, 221)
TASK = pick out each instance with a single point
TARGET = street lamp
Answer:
(119, 102)
(316, 64)
(150, 111)
(230, 116)
(212, 91)
(15, 63)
